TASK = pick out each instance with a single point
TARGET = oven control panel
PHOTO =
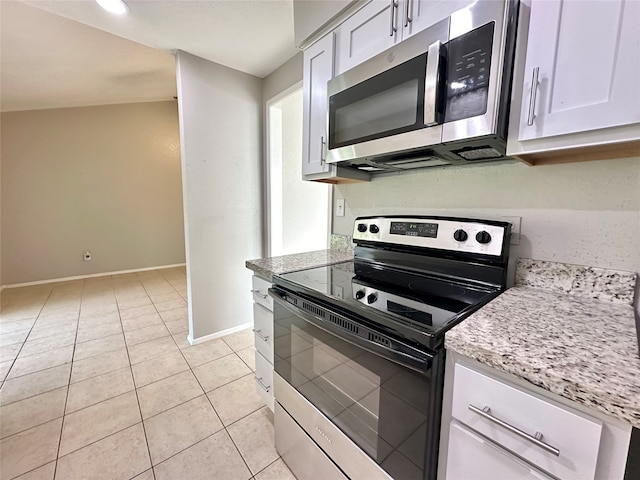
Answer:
(459, 235)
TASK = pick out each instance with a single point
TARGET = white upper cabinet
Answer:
(419, 14)
(382, 23)
(317, 71)
(580, 76)
(368, 32)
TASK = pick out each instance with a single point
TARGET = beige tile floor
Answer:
(99, 382)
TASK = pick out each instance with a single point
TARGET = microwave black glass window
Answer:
(391, 102)
(468, 69)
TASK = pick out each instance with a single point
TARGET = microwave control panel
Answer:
(468, 67)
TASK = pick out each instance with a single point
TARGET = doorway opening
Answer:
(297, 210)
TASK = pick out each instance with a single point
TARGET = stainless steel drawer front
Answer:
(355, 463)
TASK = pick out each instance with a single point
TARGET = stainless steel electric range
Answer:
(358, 347)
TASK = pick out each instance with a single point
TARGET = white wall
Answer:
(105, 179)
(580, 213)
(220, 127)
(304, 205)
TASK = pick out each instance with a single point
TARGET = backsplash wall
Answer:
(581, 213)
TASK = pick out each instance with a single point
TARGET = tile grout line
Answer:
(66, 400)
(135, 389)
(13, 362)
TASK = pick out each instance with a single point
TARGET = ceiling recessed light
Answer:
(114, 6)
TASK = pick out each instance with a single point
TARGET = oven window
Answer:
(380, 405)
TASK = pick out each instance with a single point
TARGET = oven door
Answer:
(383, 396)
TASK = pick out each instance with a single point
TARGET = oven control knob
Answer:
(460, 235)
(360, 294)
(483, 237)
(372, 297)
(374, 229)
(362, 227)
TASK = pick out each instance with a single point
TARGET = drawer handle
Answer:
(266, 388)
(393, 27)
(261, 335)
(532, 98)
(263, 295)
(535, 439)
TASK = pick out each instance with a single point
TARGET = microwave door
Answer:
(380, 106)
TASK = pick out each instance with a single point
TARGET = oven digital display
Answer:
(414, 229)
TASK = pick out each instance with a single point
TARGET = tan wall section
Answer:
(105, 179)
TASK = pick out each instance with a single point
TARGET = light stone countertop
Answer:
(341, 251)
(568, 329)
(267, 267)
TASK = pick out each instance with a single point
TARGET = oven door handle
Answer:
(418, 364)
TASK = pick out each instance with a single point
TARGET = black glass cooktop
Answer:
(400, 299)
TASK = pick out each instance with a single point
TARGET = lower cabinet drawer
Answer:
(263, 329)
(470, 456)
(300, 453)
(264, 380)
(555, 439)
(260, 292)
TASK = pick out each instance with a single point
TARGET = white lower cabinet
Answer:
(264, 380)
(263, 331)
(495, 429)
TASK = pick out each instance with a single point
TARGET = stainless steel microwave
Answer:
(440, 97)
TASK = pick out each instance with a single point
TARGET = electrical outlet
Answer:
(340, 207)
(87, 256)
(515, 228)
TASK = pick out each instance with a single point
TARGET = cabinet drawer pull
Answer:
(266, 388)
(393, 27)
(535, 439)
(260, 294)
(532, 98)
(261, 335)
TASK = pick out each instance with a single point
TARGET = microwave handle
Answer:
(431, 84)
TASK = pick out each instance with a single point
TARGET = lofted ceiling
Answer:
(72, 53)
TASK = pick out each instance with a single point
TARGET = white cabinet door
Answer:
(587, 59)
(317, 71)
(371, 30)
(471, 457)
(420, 14)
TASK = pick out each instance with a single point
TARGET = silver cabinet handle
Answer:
(408, 11)
(322, 145)
(393, 25)
(532, 98)
(535, 439)
(431, 84)
(266, 388)
(261, 335)
(260, 294)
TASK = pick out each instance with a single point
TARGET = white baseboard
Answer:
(92, 275)
(228, 331)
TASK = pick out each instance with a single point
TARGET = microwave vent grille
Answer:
(483, 153)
